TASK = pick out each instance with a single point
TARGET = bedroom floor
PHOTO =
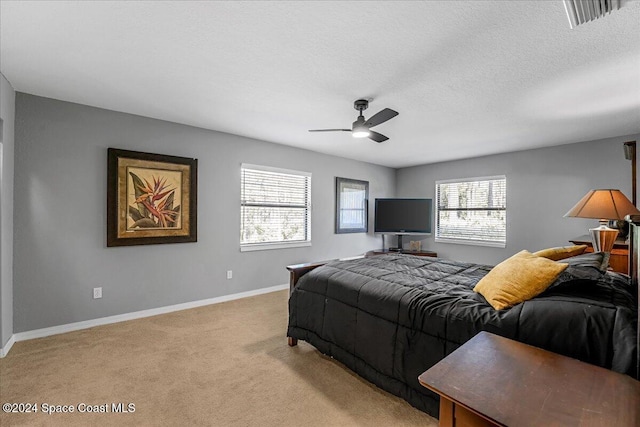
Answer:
(224, 364)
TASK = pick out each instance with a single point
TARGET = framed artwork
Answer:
(151, 198)
(352, 197)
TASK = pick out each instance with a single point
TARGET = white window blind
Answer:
(472, 211)
(275, 207)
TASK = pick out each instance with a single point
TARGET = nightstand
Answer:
(619, 260)
(494, 381)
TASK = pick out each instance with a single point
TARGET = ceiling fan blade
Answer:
(377, 137)
(329, 130)
(380, 117)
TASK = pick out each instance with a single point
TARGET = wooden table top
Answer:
(620, 243)
(515, 384)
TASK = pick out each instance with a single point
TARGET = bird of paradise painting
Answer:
(151, 198)
(154, 198)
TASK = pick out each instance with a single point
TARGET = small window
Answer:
(472, 211)
(351, 206)
(275, 208)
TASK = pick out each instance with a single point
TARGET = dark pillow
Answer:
(597, 260)
(583, 270)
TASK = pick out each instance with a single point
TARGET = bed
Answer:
(391, 317)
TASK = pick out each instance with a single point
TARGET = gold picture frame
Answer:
(151, 198)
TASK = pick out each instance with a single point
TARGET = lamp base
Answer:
(603, 238)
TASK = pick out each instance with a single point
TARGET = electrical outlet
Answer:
(97, 293)
(229, 274)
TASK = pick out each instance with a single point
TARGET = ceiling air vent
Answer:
(581, 11)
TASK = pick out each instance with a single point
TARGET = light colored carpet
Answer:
(226, 364)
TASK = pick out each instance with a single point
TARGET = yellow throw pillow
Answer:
(561, 252)
(517, 279)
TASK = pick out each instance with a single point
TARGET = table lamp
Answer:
(604, 205)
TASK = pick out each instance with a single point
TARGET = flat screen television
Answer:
(403, 216)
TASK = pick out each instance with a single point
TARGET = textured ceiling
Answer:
(468, 78)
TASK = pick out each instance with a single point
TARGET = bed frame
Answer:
(634, 268)
(296, 271)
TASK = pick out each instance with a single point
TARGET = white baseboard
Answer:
(5, 350)
(61, 329)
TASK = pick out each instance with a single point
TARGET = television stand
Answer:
(403, 251)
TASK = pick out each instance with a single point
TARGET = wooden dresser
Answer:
(619, 260)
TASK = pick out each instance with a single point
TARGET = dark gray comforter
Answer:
(391, 317)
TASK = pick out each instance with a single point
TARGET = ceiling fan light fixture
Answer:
(360, 130)
(360, 133)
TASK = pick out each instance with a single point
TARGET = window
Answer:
(351, 206)
(472, 211)
(275, 208)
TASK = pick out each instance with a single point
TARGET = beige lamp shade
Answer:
(603, 205)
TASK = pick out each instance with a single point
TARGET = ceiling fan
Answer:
(362, 128)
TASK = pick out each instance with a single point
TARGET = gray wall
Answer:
(60, 253)
(7, 113)
(542, 185)
(60, 222)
